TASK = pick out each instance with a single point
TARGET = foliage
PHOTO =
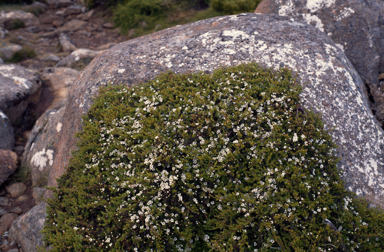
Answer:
(235, 6)
(25, 53)
(14, 24)
(94, 3)
(195, 162)
(15, 1)
(134, 12)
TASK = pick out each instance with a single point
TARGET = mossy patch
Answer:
(196, 162)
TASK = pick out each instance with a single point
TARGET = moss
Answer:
(195, 162)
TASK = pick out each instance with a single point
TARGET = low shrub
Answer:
(14, 24)
(129, 15)
(25, 53)
(235, 6)
(195, 162)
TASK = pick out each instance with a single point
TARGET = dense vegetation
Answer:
(195, 162)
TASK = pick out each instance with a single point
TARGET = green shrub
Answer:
(25, 53)
(95, 3)
(129, 15)
(14, 24)
(235, 6)
(195, 162)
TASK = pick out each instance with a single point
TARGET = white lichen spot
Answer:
(58, 127)
(315, 5)
(314, 20)
(344, 13)
(4, 68)
(340, 46)
(286, 9)
(235, 33)
(2, 115)
(41, 158)
(120, 70)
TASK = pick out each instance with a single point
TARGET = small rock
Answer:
(57, 22)
(86, 16)
(16, 210)
(13, 250)
(4, 201)
(28, 18)
(6, 221)
(59, 13)
(106, 46)
(74, 10)
(62, 3)
(8, 165)
(38, 193)
(3, 211)
(3, 32)
(131, 32)
(22, 198)
(5, 247)
(52, 57)
(33, 29)
(108, 25)
(19, 150)
(8, 51)
(6, 132)
(15, 190)
(77, 55)
(73, 25)
(25, 230)
(66, 43)
(1, 61)
(41, 5)
(22, 38)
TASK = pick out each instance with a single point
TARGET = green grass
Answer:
(196, 162)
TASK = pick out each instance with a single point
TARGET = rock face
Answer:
(6, 133)
(331, 86)
(41, 146)
(18, 87)
(8, 164)
(356, 26)
(25, 230)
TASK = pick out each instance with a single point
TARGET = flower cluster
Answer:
(197, 162)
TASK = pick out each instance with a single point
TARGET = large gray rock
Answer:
(6, 133)
(25, 230)
(331, 86)
(18, 87)
(356, 26)
(41, 146)
(28, 18)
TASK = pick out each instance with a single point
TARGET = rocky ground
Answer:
(64, 35)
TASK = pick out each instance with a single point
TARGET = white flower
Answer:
(295, 138)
